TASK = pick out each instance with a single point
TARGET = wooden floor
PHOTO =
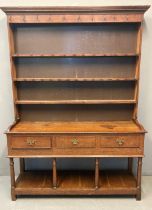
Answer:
(76, 183)
(68, 127)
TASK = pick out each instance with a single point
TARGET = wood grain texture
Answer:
(78, 127)
(31, 142)
(13, 68)
(74, 141)
(137, 73)
(60, 18)
(77, 153)
(37, 179)
(76, 183)
(119, 141)
(75, 102)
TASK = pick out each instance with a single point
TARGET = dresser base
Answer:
(76, 182)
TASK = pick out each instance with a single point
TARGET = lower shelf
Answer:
(76, 183)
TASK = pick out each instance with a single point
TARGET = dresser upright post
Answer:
(22, 165)
(139, 173)
(54, 174)
(12, 174)
(130, 165)
(97, 173)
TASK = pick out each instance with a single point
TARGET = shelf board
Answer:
(74, 55)
(34, 179)
(76, 183)
(75, 101)
(71, 79)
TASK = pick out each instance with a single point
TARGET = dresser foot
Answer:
(13, 196)
(138, 196)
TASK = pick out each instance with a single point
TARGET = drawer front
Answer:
(118, 141)
(30, 142)
(75, 141)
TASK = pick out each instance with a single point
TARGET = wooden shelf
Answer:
(74, 55)
(36, 179)
(75, 102)
(72, 79)
(76, 183)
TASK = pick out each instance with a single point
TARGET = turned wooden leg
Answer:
(139, 173)
(130, 165)
(54, 174)
(22, 165)
(12, 174)
(97, 173)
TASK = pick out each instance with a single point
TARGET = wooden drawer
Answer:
(30, 142)
(118, 141)
(75, 141)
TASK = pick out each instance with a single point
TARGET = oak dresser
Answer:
(75, 80)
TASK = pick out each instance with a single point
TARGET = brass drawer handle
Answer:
(120, 142)
(75, 141)
(30, 141)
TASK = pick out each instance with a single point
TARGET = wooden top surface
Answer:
(77, 127)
